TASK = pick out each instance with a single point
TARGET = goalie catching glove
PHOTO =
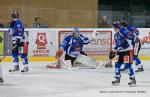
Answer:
(112, 55)
(59, 53)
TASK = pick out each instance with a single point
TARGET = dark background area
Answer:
(137, 12)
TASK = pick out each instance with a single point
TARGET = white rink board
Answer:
(145, 36)
(42, 42)
(52, 36)
(52, 39)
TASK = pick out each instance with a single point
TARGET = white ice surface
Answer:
(43, 82)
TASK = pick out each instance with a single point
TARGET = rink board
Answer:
(52, 59)
(43, 43)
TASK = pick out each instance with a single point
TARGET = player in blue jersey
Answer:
(124, 49)
(72, 45)
(20, 43)
(136, 43)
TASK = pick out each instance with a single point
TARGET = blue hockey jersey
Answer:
(123, 40)
(73, 45)
(16, 29)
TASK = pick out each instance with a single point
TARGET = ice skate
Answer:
(116, 81)
(25, 69)
(140, 69)
(16, 68)
(132, 82)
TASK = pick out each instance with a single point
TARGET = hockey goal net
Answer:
(99, 48)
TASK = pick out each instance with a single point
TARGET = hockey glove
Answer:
(112, 55)
(18, 42)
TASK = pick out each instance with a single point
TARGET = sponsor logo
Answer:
(41, 41)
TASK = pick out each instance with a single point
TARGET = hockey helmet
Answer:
(76, 31)
(14, 14)
(124, 23)
(116, 24)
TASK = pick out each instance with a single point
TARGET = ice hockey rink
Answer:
(43, 82)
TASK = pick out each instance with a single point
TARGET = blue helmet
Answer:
(14, 14)
(116, 24)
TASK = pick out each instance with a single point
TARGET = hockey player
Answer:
(1, 78)
(136, 44)
(20, 45)
(124, 49)
(72, 45)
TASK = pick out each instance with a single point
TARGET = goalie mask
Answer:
(76, 32)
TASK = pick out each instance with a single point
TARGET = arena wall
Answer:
(43, 43)
(54, 13)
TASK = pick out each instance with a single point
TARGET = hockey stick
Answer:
(8, 52)
(108, 60)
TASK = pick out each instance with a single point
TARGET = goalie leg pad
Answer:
(87, 61)
(67, 63)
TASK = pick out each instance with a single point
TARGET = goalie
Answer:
(72, 45)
